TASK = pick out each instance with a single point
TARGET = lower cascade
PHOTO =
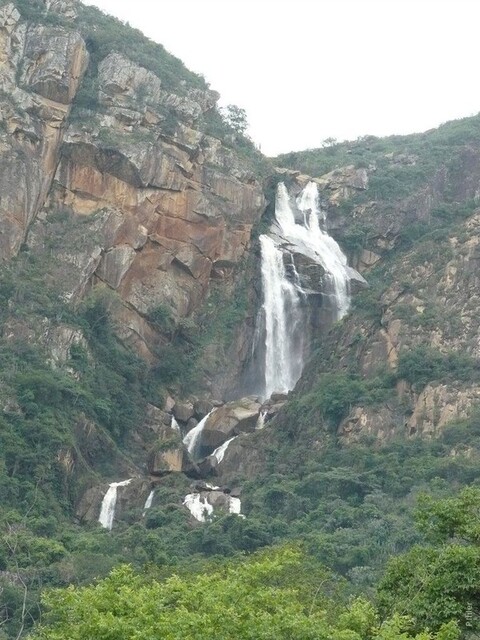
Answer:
(107, 512)
(297, 236)
(202, 504)
(193, 439)
(199, 507)
(149, 501)
(219, 452)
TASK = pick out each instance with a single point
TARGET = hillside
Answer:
(205, 352)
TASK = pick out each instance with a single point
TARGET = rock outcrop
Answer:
(239, 416)
(162, 205)
(40, 71)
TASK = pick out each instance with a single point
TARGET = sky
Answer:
(308, 70)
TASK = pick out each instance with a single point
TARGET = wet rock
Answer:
(191, 424)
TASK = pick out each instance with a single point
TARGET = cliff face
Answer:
(163, 207)
(41, 68)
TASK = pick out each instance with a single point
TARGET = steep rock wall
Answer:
(158, 206)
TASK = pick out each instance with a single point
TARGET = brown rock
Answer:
(183, 411)
(229, 420)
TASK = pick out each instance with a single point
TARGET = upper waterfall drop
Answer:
(281, 308)
(297, 231)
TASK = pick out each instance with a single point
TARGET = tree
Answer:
(236, 118)
(438, 583)
(272, 596)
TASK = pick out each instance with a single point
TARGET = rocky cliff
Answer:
(163, 206)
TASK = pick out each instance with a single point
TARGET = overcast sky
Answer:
(306, 70)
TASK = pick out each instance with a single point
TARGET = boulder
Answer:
(202, 407)
(162, 462)
(233, 418)
(183, 411)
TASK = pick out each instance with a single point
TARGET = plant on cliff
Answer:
(236, 118)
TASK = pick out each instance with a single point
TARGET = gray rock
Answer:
(54, 62)
(183, 411)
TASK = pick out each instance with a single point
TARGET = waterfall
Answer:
(107, 512)
(284, 298)
(261, 421)
(199, 507)
(219, 453)
(324, 246)
(281, 307)
(193, 439)
(174, 424)
(149, 500)
(235, 506)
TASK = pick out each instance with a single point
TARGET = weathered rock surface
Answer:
(239, 416)
(158, 207)
(340, 183)
(40, 71)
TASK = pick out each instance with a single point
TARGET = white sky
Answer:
(305, 70)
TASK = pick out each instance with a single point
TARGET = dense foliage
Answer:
(274, 596)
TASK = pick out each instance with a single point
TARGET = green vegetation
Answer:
(440, 582)
(415, 154)
(278, 595)
(424, 364)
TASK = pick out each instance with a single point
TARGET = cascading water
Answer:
(219, 453)
(323, 246)
(193, 439)
(261, 421)
(199, 507)
(149, 500)
(285, 310)
(174, 424)
(107, 512)
(235, 506)
(281, 307)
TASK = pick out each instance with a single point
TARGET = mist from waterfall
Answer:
(284, 298)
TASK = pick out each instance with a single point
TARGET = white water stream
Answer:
(193, 439)
(149, 501)
(219, 452)
(107, 512)
(283, 296)
(199, 507)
